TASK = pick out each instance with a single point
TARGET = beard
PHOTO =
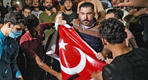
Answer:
(85, 22)
(67, 9)
(48, 7)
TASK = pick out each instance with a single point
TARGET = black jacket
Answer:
(130, 66)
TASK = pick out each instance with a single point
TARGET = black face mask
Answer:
(36, 7)
(67, 9)
(48, 7)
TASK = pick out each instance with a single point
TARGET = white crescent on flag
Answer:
(79, 67)
(78, 59)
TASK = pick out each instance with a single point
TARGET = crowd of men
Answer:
(116, 29)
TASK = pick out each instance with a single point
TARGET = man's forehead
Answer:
(28, 0)
(67, 1)
(86, 9)
(48, 0)
(35, 0)
(27, 10)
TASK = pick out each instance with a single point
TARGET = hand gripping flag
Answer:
(52, 46)
(78, 60)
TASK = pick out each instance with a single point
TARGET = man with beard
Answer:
(68, 15)
(28, 3)
(47, 16)
(87, 27)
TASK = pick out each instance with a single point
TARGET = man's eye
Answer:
(89, 13)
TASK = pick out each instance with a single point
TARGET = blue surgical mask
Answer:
(15, 34)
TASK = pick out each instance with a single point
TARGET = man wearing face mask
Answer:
(36, 8)
(69, 15)
(12, 29)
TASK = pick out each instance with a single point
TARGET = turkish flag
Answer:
(78, 59)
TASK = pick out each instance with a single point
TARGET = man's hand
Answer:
(116, 2)
(97, 75)
(100, 56)
(108, 61)
(59, 76)
(62, 22)
(20, 78)
(134, 3)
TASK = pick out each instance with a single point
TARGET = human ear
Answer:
(104, 41)
(9, 24)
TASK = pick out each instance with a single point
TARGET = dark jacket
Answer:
(8, 53)
(129, 66)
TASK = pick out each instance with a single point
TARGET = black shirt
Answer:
(144, 21)
(69, 17)
(130, 66)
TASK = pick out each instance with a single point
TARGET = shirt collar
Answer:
(50, 11)
(68, 13)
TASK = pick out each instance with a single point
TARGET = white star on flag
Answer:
(62, 44)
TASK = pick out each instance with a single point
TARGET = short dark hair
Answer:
(113, 31)
(15, 18)
(87, 4)
(26, 7)
(69, 0)
(72, 1)
(118, 13)
(1, 20)
(44, 1)
(32, 21)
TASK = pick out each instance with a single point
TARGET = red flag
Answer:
(78, 60)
